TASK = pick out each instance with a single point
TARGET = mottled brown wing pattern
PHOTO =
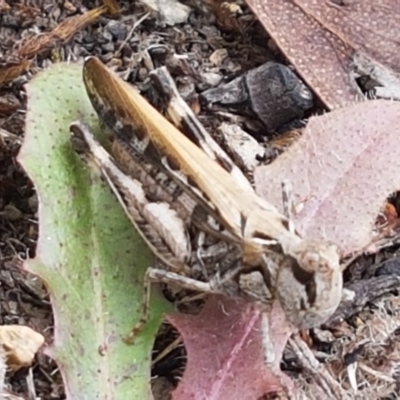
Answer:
(307, 281)
(136, 126)
(183, 117)
(131, 193)
(133, 119)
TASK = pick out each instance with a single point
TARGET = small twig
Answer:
(307, 360)
(167, 350)
(128, 37)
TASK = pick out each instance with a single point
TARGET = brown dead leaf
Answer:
(7, 109)
(16, 63)
(368, 26)
(342, 169)
(10, 72)
(390, 215)
(226, 14)
(20, 344)
(8, 104)
(321, 39)
(322, 59)
(61, 33)
(112, 6)
(226, 347)
(4, 6)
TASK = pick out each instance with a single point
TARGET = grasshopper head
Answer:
(309, 284)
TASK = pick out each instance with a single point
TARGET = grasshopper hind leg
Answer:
(226, 283)
(159, 275)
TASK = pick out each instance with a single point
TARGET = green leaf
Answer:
(89, 255)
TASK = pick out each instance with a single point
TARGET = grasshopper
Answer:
(195, 184)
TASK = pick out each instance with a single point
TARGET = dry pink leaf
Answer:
(321, 38)
(368, 26)
(319, 57)
(226, 349)
(342, 169)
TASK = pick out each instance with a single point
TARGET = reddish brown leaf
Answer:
(10, 72)
(343, 168)
(112, 6)
(226, 347)
(61, 33)
(319, 57)
(8, 104)
(369, 26)
(321, 38)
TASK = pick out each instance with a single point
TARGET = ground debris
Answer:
(209, 49)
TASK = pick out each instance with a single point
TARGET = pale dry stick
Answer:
(289, 208)
(10, 136)
(271, 362)
(30, 383)
(129, 36)
(330, 387)
(388, 86)
(167, 350)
